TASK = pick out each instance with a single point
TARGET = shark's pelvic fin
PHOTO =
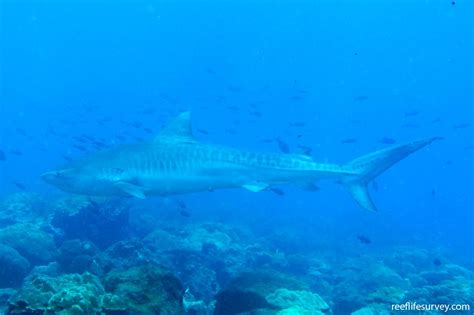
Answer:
(308, 186)
(256, 186)
(179, 129)
(371, 165)
(131, 189)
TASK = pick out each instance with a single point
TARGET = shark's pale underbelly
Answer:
(224, 176)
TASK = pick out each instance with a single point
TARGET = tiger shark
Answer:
(174, 162)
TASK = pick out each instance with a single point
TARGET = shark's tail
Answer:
(371, 165)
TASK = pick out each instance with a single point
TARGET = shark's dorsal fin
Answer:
(178, 129)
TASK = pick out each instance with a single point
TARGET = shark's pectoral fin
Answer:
(131, 189)
(256, 186)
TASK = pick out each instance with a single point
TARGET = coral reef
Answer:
(67, 295)
(298, 302)
(21, 208)
(148, 289)
(30, 241)
(376, 310)
(258, 290)
(78, 255)
(13, 267)
(107, 220)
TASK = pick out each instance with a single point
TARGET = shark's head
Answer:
(68, 179)
(86, 180)
(74, 180)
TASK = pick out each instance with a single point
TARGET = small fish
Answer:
(302, 91)
(436, 120)
(148, 111)
(203, 131)
(19, 185)
(296, 98)
(79, 139)
(266, 140)
(181, 204)
(306, 150)
(233, 108)
(136, 124)
(277, 191)
(387, 140)
(120, 138)
(433, 192)
(437, 262)
(361, 98)
(375, 186)
(103, 120)
(185, 213)
(412, 113)
(67, 122)
(16, 152)
(80, 147)
(235, 89)
(148, 130)
(90, 138)
(164, 95)
(311, 187)
(282, 145)
(67, 158)
(256, 113)
(21, 132)
(99, 144)
(364, 239)
(349, 140)
(410, 125)
(210, 71)
(469, 147)
(297, 124)
(231, 131)
(93, 203)
(462, 126)
(3, 157)
(90, 108)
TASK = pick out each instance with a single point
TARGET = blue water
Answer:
(348, 70)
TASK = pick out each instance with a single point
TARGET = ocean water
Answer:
(333, 80)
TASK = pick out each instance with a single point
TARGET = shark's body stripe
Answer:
(176, 163)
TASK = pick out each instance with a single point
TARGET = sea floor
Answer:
(77, 255)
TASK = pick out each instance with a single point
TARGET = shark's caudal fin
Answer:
(371, 165)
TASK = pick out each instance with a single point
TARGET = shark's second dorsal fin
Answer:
(178, 129)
